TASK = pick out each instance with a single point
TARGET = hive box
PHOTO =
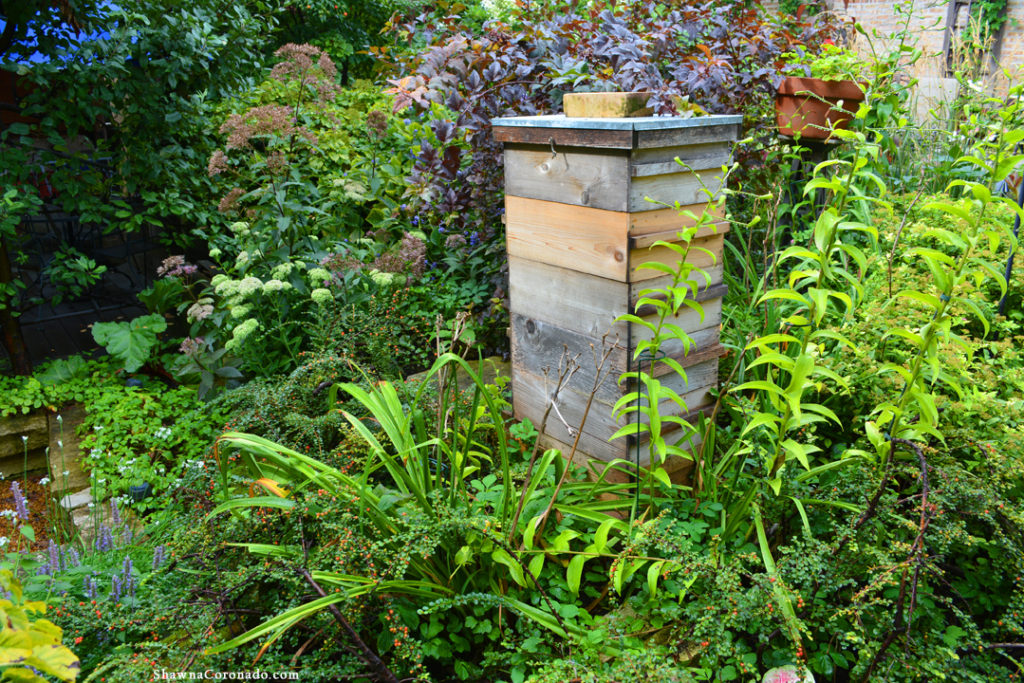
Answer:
(580, 222)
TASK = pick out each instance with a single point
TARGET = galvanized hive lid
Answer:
(642, 132)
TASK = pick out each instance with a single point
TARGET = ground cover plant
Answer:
(853, 510)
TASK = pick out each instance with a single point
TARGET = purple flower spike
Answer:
(54, 552)
(19, 501)
(115, 514)
(158, 557)
(105, 540)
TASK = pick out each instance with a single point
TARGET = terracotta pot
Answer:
(832, 105)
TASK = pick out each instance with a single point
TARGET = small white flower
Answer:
(24, 439)
(162, 433)
(60, 444)
(4, 541)
(60, 418)
(91, 504)
(67, 473)
(97, 428)
(44, 481)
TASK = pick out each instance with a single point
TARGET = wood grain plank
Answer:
(662, 160)
(715, 291)
(582, 177)
(531, 396)
(609, 139)
(587, 303)
(537, 345)
(578, 238)
(709, 288)
(715, 244)
(646, 139)
(686, 153)
(659, 222)
(672, 235)
(693, 388)
(654, 192)
(670, 218)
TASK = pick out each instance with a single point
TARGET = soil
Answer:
(39, 502)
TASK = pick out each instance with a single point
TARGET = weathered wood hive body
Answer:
(579, 225)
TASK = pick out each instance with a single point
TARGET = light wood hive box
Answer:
(579, 224)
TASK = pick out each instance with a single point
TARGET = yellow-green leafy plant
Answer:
(958, 271)
(672, 434)
(30, 646)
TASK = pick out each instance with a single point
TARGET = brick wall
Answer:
(927, 23)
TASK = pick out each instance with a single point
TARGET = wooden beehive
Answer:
(580, 222)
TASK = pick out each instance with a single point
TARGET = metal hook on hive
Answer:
(551, 141)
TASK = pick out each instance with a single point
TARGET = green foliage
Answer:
(144, 435)
(131, 343)
(159, 99)
(72, 273)
(988, 18)
(450, 529)
(831, 63)
(32, 647)
(667, 344)
(15, 203)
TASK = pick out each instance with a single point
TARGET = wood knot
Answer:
(531, 327)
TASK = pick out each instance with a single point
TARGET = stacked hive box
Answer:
(579, 225)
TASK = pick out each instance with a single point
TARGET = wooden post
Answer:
(579, 222)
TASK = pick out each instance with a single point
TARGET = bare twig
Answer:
(368, 656)
(600, 373)
(543, 594)
(901, 622)
(567, 367)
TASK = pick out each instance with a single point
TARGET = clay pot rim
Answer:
(845, 90)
